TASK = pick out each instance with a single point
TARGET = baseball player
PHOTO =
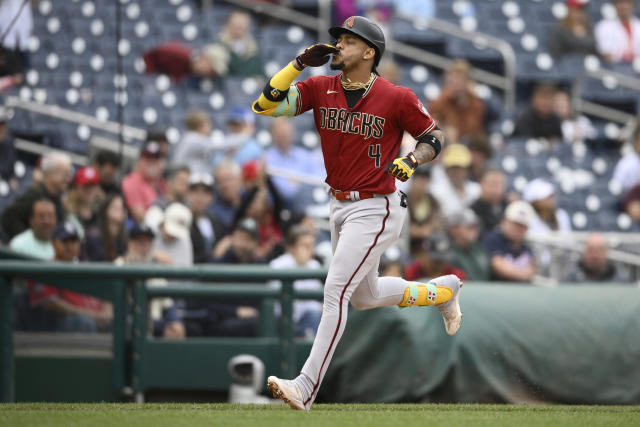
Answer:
(361, 119)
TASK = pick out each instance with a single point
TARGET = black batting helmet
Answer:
(364, 28)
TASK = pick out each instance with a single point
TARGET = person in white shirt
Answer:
(299, 253)
(541, 195)
(451, 185)
(627, 171)
(618, 39)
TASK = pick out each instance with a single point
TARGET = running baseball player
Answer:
(361, 118)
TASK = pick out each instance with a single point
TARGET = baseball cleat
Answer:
(450, 310)
(288, 391)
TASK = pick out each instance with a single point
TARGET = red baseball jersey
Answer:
(359, 142)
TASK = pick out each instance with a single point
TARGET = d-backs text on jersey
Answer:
(353, 122)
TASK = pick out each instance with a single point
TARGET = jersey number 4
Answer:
(374, 153)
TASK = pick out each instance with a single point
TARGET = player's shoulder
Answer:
(392, 89)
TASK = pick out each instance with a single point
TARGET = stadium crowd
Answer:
(203, 201)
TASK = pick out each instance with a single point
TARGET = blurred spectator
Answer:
(196, 148)
(511, 259)
(425, 215)
(69, 311)
(139, 246)
(159, 135)
(36, 240)
(467, 253)
(240, 142)
(541, 195)
(539, 120)
(480, 154)
(107, 163)
(228, 186)
(618, 39)
(492, 202)
(627, 171)
(573, 35)
(56, 175)
(283, 154)
(450, 181)
(244, 55)
(206, 230)
(81, 201)
(107, 240)
(180, 61)
(8, 150)
(631, 203)
(594, 266)
(343, 9)
(176, 181)
(174, 237)
(431, 259)
(16, 25)
(458, 110)
(299, 254)
(575, 127)
(144, 185)
(391, 263)
(241, 246)
(389, 70)
(261, 209)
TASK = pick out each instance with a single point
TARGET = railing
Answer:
(113, 283)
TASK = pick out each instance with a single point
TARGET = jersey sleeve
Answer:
(413, 117)
(306, 97)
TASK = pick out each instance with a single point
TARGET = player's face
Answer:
(352, 50)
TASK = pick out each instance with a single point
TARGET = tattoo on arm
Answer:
(424, 153)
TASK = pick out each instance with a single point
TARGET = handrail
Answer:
(599, 110)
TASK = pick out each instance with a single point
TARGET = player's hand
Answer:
(403, 167)
(316, 55)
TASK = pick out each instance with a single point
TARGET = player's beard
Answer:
(336, 66)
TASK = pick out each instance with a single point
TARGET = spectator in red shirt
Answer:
(431, 259)
(69, 311)
(144, 185)
(180, 61)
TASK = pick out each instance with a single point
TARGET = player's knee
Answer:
(359, 304)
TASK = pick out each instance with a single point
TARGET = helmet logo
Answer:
(349, 22)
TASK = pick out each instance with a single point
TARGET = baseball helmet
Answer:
(364, 28)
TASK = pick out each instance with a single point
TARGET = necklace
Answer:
(349, 85)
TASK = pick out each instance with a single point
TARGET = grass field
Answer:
(227, 415)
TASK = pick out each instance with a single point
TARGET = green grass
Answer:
(154, 415)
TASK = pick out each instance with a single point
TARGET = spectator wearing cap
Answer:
(511, 259)
(56, 176)
(176, 181)
(539, 120)
(68, 311)
(241, 246)
(240, 143)
(467, 253)
(451, 186)
(573, 35)
(284, 155)
(36, 240)
(594, 265)
(206, 230)
(458, 109)
(196, 148)
(107, 239)
(432, 258)
(492, 202)
(158, 135)
(627, 170)
(107, 163)
(631, 203)
(81, 201)
(144, 185)
(173, 238)
(425, 215)
(618, 39)
(300, 244)
(548, 217)
(8, 150)
(228, 192)
(139, 245)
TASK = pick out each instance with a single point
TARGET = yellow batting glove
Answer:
(403, 167)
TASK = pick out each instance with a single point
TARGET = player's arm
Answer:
(279, 98)
(428, 146)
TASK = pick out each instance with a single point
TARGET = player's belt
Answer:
(351, 195)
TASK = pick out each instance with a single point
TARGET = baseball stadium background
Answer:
(86, 89)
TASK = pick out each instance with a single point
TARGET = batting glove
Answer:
(403, 167)
(316, 55)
